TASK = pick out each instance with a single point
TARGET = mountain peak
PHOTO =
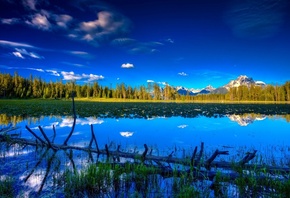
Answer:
(209, 88)
(241, 80)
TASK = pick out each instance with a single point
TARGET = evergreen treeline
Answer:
(34, 87)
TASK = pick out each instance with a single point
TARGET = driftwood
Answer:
(201, 169)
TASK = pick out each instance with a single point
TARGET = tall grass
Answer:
(6, 187)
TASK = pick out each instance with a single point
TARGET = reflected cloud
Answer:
(126, 134)
(35, 179)
(246, 119)
(156, 117)
(68, 122)
(182, 126)
(12, 153)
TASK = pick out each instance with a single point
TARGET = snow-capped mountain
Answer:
(183, 91)
(243, 80)
(206, 90)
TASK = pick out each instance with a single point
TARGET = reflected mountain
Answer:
(246, 119)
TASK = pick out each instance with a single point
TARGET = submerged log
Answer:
(174, 160)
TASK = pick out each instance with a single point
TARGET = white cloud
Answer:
(81, 54)
(92, 77)
(36, 69)
(29, 4)
(34, 55)
(150, 81)
(78, 52)
(53, 72)
(88, 77)
(127, 65)
(15, 44)
(70, 75)
(18, 46)
(106, 27)
(182, 74)
(10, 21)
(163, 83)
(123, 42)
(30, 54)
(169, 40)
(73, 64)
(18, 55)
(133, 46)
(63, 20)
(40, 21)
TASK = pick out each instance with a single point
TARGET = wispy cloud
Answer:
(20, 48)
(106, 27)
(29, 4)
(15, 44)
(50, 72)
(109, 26)
(18, 55)
(42, 19)
(136, 47)
(182, 74)
(53, 72)
(124, 42)
(169, 40)
(256, 19)
(80, 54)
(127, 65)
(35, 69)
(10, 21)
(73, 64)
(21, 52)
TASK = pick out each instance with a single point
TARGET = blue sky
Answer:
(183, 43)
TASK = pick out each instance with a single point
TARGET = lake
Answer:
(249, 130)
(236, 133)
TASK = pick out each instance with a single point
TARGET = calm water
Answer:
(231, 131)
(238, 134)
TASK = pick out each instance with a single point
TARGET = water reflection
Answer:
(162, 132)
(236, 133)
(246, 119)
(126, 133)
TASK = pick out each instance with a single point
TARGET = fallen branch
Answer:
(182, 161)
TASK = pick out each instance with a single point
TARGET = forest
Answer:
(15, 86)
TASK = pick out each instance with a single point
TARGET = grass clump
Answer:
(6, 187)
(94, 180)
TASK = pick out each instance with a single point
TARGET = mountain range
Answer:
(241, 80)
